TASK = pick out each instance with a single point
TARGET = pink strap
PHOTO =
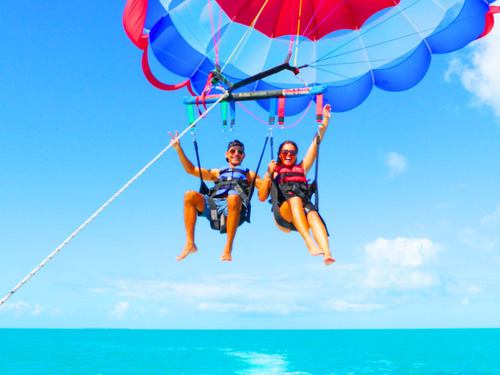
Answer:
(160, 85)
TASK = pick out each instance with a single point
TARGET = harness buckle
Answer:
(213, 215)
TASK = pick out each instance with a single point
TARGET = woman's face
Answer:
(288, 155)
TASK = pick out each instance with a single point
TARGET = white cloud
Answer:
(346, 306)
(20, 308)
(493, 218)
(459, 186)
(465, 301)
(471, 238)
(400, 278)
(473, 290)
(259, 308)
(226, 293)
(402, 251)
(393, 262)
(119, 310)
(396, 163)
(478, 71)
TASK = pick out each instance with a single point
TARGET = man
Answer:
(227, 195)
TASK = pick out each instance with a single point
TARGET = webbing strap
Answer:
(232, 109)
(272, 111)
(281, 110)
(203, 187)
(316, 195)
(190, 111)
(223, 107)
(319, 107)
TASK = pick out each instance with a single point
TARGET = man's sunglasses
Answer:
(239, 151)
(291, 152)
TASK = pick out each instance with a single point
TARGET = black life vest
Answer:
(230, 181)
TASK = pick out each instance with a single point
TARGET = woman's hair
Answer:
(283, 144)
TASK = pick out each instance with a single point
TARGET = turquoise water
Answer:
(106, 352)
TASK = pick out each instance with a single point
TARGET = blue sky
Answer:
(409, 189)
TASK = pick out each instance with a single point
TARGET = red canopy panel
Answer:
(317, 18)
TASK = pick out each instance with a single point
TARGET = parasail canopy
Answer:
(349, 46)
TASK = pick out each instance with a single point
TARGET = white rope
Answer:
(37, 268)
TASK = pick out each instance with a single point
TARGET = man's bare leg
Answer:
(293, 210)
(232, 221)
(320, 235)
(193, 202)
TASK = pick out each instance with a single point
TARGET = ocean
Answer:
(122, 351)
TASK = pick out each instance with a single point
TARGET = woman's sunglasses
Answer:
(239, 151)
(291, 152)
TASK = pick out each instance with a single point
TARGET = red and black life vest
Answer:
(295, 173)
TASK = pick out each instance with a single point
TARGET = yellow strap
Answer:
(298, 31)
(246, 32)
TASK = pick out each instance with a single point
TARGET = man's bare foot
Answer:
(226, 255)
(189, 249)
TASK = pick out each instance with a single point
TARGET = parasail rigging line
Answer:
(215, 36)
(298, 33)
(331, 54)
(245, 34)
(276, 126)
(316, 10)
(80, 228)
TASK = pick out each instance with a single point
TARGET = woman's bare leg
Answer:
(293, 211)
(320, 235)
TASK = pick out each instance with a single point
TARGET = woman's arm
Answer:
(266, 182)
(312, 152)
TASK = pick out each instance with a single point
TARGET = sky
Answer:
(409, 187)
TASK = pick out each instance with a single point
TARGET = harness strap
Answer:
(203, 187)
(216, 222)
(225, 170)
(319, 107)
(223, 107)
(281, 110)
(232, 109)
(272, 111)
(316, 196)
(278, 196)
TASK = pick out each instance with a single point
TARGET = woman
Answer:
(296, 208)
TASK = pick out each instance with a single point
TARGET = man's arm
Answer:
(207, 174)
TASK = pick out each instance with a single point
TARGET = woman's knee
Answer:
(294, 201)
(314, 219)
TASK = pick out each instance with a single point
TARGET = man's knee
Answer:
(192, 198)
(233, 202)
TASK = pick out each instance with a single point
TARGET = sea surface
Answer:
(115, 351)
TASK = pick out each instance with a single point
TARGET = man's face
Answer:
(235, 155)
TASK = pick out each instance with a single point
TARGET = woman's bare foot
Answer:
(328, 260)
(313, 248)
(189, 249)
